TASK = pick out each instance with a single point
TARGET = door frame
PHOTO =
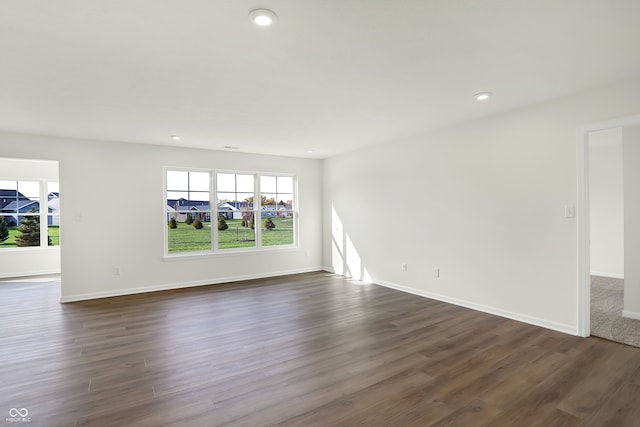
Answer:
(584, 268)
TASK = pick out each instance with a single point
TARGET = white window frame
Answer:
(43, 214)
(213, 207)
(292, 210)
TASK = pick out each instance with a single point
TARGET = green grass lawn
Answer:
(186, 238)
(54, 233)
(281, 235)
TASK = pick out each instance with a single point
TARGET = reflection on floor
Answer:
(607, 299)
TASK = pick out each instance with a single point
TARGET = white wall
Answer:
(482, 201)
(631, 151)
(106, 186)
(15, 262)
(606, 216)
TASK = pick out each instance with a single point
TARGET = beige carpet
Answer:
(606, 312)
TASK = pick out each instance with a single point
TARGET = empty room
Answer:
(319, 213)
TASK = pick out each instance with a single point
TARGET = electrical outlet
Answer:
(404, 266)
(116, 271)
(436, 272)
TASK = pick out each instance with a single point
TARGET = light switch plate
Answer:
(569, 211)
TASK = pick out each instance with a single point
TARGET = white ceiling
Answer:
(330, 75)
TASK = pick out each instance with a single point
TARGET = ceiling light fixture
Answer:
(310, 151)
(262, 17)
(482, 96)
(176, 137)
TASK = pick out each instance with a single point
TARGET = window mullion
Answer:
(257, 205)
(213, 208)
(44, 210)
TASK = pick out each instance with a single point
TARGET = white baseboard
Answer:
(13, 275)
(329, 269)
(631, 314)
(611, 275)
(560, 327)
(169, 286)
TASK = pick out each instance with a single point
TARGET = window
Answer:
(276, 195)
(235, 210)
(188, 211)
(251, 211)
(24, 220)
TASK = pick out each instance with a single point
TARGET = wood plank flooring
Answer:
(303, 350)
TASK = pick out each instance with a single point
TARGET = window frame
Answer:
(276, 211)
(43, 213)
(213, 210)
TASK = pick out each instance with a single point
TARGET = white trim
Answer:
(213, 202)
(583, 320)
(16, 249)
(582, 166)
(610, 275)
(165, 221)
(14, 275)
(631, 314)
(31, 177)
(169, 286)
(560, 327)
(177, 256)
(329, 269)
(257, 208)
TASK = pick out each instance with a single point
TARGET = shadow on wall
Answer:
(345, 259)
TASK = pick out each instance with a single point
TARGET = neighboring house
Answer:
(275, 211)
(8, 196)
(54, 208)
(172, 213)
(201, 210)
(178, 209)
(10, 212)
(269, 211)
(13, 203)
(230, 211)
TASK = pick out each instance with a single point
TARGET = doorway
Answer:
(603, 217)
(29, 217)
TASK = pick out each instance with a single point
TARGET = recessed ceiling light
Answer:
(262, 17)
(176, 137)
(310, 151)
(482, 96)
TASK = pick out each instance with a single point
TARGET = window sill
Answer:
(29, 249)
(228, 252)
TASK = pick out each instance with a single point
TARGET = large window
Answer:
(251, 211)
(29, 213)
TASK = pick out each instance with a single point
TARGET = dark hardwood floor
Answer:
(304, 350)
